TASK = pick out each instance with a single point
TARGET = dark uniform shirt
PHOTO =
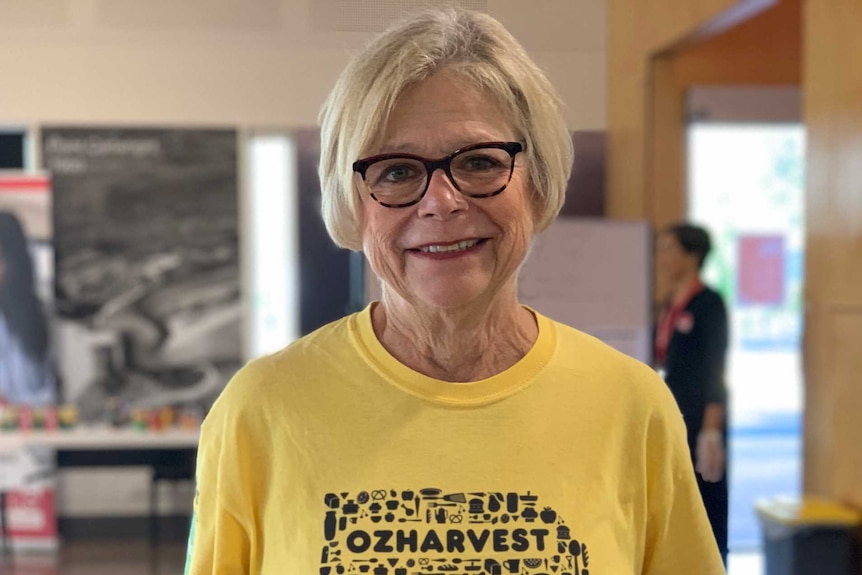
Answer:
(694, 367)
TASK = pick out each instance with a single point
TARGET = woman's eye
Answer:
(480, 163)
(396, 174)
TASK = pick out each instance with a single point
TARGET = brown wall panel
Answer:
(833, 117)
(846, 335)
(767, 49)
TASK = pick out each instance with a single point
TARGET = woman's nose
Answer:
(442, 198)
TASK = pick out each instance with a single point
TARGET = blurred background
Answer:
(161, 158)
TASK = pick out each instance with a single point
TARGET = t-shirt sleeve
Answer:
(222, 538)
(679, 539)
(218, 542)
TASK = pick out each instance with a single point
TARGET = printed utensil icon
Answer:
(575, 550)
(455, 497)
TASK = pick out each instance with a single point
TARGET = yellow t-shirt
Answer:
(331, 457)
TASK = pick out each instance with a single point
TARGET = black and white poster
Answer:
(147, 279)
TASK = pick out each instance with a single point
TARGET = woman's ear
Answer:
(535, 205)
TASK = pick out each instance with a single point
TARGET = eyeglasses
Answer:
(400, 180)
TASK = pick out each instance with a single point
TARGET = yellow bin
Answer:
(809, 536)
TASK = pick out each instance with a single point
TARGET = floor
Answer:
(745, 564)
(110, 558)
(139, 559)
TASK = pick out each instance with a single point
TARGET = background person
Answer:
(691, 345)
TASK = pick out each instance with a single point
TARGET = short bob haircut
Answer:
(354, 116)
(692, 239)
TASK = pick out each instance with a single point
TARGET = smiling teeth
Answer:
(460, 246)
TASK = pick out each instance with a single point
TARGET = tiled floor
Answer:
(109, 558)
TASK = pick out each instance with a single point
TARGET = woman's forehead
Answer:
(443, 112)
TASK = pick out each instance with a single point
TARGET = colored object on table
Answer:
(167, 417)
(140, 419)
(51, 421)
(190, 418)
(38, 418)
(154, 421)
(68, 416)
(9, 420)
(25, 418)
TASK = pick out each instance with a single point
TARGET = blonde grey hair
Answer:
(354, 116)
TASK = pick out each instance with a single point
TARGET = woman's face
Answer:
(671, 259)
(432, 119)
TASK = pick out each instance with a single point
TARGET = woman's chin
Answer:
(447, 295)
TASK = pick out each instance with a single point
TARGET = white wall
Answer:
(240, 63)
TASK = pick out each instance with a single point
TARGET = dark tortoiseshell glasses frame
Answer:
(431, 165)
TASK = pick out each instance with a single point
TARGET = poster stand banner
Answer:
(27, 382)
(147, 282)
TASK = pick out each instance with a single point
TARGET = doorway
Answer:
(746, 186)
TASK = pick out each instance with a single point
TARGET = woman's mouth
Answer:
(452, 248)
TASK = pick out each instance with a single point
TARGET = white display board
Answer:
(594, 275)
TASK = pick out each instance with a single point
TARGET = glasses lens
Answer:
(396, 181)
(482, 171)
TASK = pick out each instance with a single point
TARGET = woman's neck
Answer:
(462, 344)
(682, 286)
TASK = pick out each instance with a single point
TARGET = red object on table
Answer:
(25, 418)
(51, 419)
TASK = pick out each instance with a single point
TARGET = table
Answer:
(171, 455)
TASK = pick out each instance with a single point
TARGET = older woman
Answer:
(446, 428)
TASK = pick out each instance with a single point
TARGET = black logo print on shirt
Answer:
(429, 532)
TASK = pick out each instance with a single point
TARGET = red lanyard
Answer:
(669, 318)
